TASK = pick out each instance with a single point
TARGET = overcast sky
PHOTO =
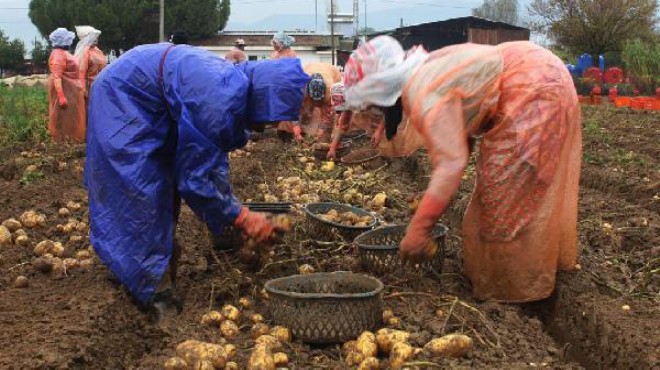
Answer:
(15, 22)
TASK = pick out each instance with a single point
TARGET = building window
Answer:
(252, 57)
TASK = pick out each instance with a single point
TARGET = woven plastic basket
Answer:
(327, 307)
(329, 231)
(378, 250)
(369, 159)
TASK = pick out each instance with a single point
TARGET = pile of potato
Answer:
(266, 353)
(244, 152)
(346, 218)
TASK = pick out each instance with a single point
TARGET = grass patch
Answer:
(23, 115)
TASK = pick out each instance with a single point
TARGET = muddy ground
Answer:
(84, 320)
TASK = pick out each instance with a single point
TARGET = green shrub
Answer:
(23, 115)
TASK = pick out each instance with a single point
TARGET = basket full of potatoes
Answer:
(326, 220)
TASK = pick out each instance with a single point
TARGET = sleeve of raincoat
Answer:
(57, 65)
(212, 98)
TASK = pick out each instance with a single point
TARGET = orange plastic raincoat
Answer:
(65, 124)
(520, 225)
(91, 63)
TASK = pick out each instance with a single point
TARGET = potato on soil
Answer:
(269, 341)
(175, 363)
(64, 212)
(5, 236)
(29, 219)
(86, 265)
(57, 250)
(230, 312)
(245, 302)
(261, 359)
(229, 329)
(82, 227)
(306, 269)
(12, 224)
(203, 365)
(230, 350)
(394, 322)
(401, 353)
(369, 363)
(231, 366)
(43, 264)
(21, 282)
(386, 338)
(22, 240)
(281, 359)
(256, 318)
(366, 344)
(258, 330)
(193, 351)
(43, 247)
(451, 345)
(281, 333)
(212, 318)
(73, 205)
(70, 263)
(387, 315)
(83, 255)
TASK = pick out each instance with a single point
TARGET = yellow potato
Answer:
(281, 333)
(230, 350)
(256, 318)
(229, 329)
(81, 227)
(83, 255)
(369, 363)
(5, 236)
(245, 302)
(269, 341)
(231, 366)
(212, 318)
(12, 224)
(366, 344)
(261, 359)
(258, 330)
(231, 313)
(43, 247)
(175, 363)
(379, 200)
(69, 227)
(21, 282)
(29, 219)
(306, 269)
(57, 250)
(394, 322)
(64, 212)
(73, 205)
(354, 358)
(387, 315)
(203, 365)
(281, 359)
(401, 353)
(386, 338)
(451, 345)
(21, 240)
(70, 263)
(86, 265)
(193, 351)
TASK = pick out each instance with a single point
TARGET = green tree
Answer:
(498, 10)
(40, 54)
(127, 23)
(594, 26)
(12, 54)
(366, 31)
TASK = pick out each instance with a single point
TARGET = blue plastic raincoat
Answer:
(138, 157)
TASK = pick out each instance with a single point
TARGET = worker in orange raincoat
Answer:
(521, 224)
(66, 116)
(317, 98)
(91, 59)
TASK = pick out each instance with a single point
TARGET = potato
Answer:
(212, 318)
(264, 294)
(354, 358)
(245, 302)
(21, 282)
(369, 363)
(386, 338)
(261, 359)
(281, 333)
(57, 250)
(230, 350)
(5, 236)
(328, 166)
(366, 344)
(258, 330)
(73, 205)
(400, 354)
(83, 255)
(175, 363)
(394, 322)
(64, 212)
(366, 219)
(229, 329)
(75, 238)
(193, 351)
(12, 224)
(387, 315)
(451, 345)
(231, 313)
(203, 365)
(379, 200)
(43, 264)
(69, 227)
(70, 263)
(82, 227)
(22, 240)
(43, 247)
(281, 359)
(256, 318)
(20, 232)
(58, 269)
(306, 269)
(269, 341)
(86, 265)
(231, 366)
(28, 219)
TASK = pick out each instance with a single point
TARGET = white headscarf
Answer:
(61, 37)
(378, 70)
(87, 35)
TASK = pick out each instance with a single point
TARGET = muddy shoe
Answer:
(166, 305)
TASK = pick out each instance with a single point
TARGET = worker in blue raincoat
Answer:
(162, 120)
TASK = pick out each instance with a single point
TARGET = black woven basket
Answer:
(369, 159)
(343, 149)
(328, 231)
(378, 250)
(327, 307)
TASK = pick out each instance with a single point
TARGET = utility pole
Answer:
(162, 21)
(332, 30)
(316, 12)
(365, 14)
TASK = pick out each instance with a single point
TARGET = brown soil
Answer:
(86, 321)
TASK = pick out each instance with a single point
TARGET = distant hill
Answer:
(381, 20)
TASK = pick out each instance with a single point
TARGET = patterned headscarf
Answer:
(61, 37)
(283, 39)
(377, 71)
